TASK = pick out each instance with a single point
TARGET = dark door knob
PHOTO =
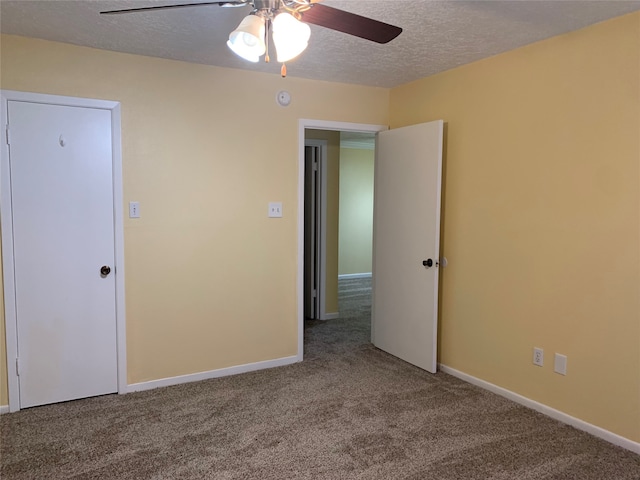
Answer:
(105, 270)
(427, 263)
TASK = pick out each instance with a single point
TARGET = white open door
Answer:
(406, 242)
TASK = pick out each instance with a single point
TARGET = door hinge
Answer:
(17, 366)
(7, 134)
(315, 293)
(315, 165)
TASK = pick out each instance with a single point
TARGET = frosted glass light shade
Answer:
(247, 41)
(290, 37)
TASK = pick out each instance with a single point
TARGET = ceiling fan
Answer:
(287, 21)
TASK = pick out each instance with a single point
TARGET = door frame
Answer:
(320, 267)
(6, 224)
(303, 124)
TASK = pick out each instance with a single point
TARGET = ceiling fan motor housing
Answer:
(266, 5)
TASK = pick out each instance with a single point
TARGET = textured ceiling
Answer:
(438, 34)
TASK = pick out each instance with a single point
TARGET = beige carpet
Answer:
(349, 411)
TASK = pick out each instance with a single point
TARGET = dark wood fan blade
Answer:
(350, 23)
(231, 3)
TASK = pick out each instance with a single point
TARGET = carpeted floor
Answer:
(349, 411)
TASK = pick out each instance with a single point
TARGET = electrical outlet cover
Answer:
(538, 356)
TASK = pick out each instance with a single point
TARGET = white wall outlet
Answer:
(538, 356)
(134, 209)
(560, 364)
(275, 209)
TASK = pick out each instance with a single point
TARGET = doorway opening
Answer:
(336, 213)
(404, 302)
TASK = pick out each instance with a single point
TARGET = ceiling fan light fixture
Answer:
(290, 36)
(247, 41)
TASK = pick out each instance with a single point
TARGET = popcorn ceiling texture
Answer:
(438, 35)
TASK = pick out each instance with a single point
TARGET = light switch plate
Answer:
(134, 209)
(275, 209)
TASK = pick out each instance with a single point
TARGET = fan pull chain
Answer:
(283, 70)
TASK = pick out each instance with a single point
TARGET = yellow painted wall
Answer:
(356, 210)
(541, 218)
(333, 185)
(210, 280)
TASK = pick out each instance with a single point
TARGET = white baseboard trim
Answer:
(4, 409)
(222, 372)
(330, 316)
(354, 275)
(546, 410)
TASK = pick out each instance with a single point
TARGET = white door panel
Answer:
(63, 225)
(407, 189)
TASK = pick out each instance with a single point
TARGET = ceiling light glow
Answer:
(247, 41)
(290, 37)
